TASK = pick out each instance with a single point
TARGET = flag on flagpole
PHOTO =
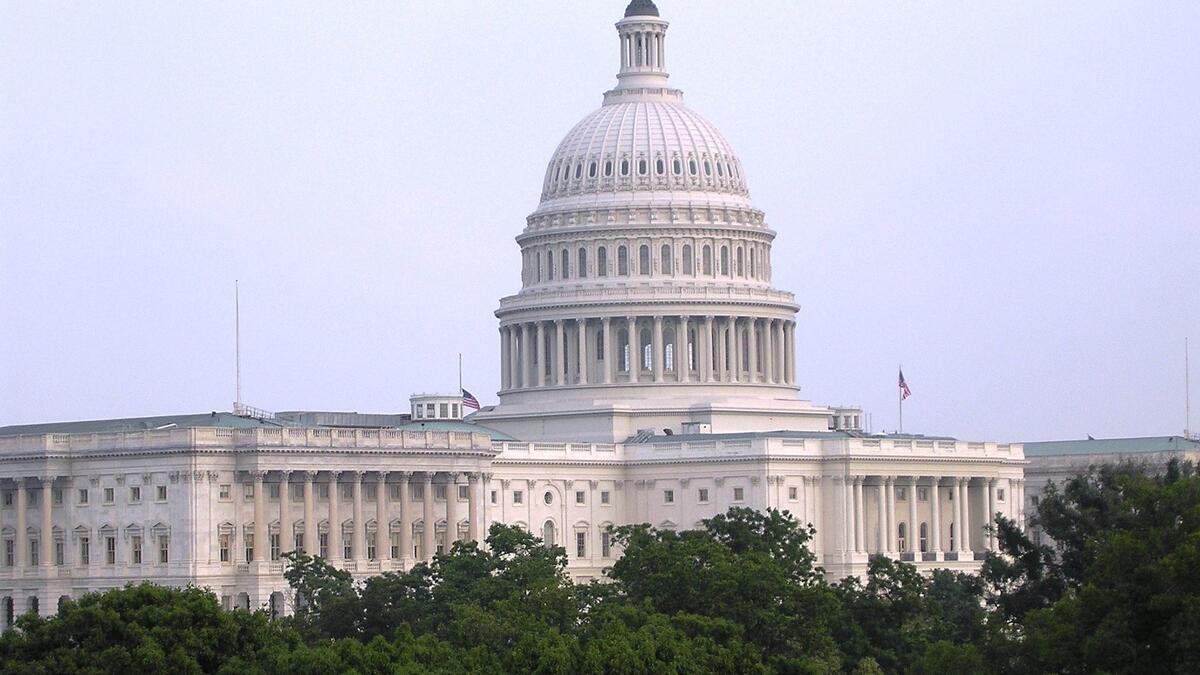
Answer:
(905, 392)
(469, 400)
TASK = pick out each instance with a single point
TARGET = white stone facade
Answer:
(648, 371)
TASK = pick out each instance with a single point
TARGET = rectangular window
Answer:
(702, 495)
(439, 493)
(162, 493)
(901, 495)
(518, 497)
(110, 550)
(922, 494)
(580, 544)
(668, 496)
(455, 409)
(33, 551)
(580, 496)
(604, 496)
(494, 496)
(999, 494)
(395, 491)
(85, 551)
(300, 542)
(323, 539)
(793, 493)
(83, 496)
(370, 492)
(348, 491)
(371, 548)
(8, 498)
(59, 552)
(275, 546)
(273, 491)
(464, 493)
(443, 410)
(224, 491)
(57, 495)
(135, 549)
(739, 494)
(605, 544)
(323, 491)
(164, 549)
(9, 552)
(247, 491)
(108, 495)
(248, 541)
(395, 541)
(297, 491)
(418, 492)
(347, 550)
(223, 544)
(429, 410)
(135, 494)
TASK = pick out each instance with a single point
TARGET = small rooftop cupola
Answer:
(643, 47)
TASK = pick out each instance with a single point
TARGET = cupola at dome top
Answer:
(641, 8)
(643, 38)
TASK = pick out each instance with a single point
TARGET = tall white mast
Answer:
(237, 350)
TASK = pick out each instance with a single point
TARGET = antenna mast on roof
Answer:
(237, 350)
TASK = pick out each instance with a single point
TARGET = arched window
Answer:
(707, 263)
(707, 168)
(741, 267)
(669, 351)
(558, 171)
(566, 264)
(607, 168)
(924, 537)
(538, 260)
(659, 167)
(644, 260)
(687, 259)
(951, 536)
(725, 261)
(664, 262)
(692, 166)
(602, 262)
(548, 534)
(641, 167)
(901, 539)
(549, 266)
(753, 263)
(578, 170)
(592, 169)
(647, 349)
(622, 261)
(623, 347)
(624, 167)
(600, 345)
(720, 171)
(581, 267)
(677, 166)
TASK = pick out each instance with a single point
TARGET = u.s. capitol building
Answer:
(648, 375)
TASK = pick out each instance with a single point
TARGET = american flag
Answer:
(905, 392)
(469, 400)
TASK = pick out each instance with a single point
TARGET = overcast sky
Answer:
(1003, 197)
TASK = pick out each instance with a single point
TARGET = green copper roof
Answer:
(1111, 446)
(455, 425)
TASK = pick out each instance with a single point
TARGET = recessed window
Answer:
(901, 494)
(592, 170)
(739, 494)
(659, 167)
(548, 497)
(702, 495)
(668, 496)
(578, 170)
(580, 496)
(108, 495)
(464, 493)
(605, 544)
(580, 544)
(624, 167)
(677, 166)
(999, 494)
(608, 168)
(720, 172)
(83, 496)
(493, 499)
(439, 492)
(135, 494)
(604, 496)
(707, 168)
(922, 494)
(518, 497)
(161, 493)
(692, 166)
(642, 167)
(793, 493)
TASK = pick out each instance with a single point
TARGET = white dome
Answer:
(647, 143)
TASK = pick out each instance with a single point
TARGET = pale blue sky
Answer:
(1004, 197)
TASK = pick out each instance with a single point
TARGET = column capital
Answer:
(452, 476)
(472, 476)
(285, 474)
(356, 474)
(334, 475)
(258, 476)
(428, 477)
(558, 322)
(47, 480)
(381, 476)
(310, 475)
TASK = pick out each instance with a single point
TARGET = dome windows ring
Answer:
(659, 167)
(677, 167)
(624, 167)
(642, 167)
(592, 170)
(608, 168)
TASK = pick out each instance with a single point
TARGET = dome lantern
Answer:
(643, 37)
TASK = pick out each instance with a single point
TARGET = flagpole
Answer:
(460, 389)
(900, 398)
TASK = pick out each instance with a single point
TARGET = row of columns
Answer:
(722, 349)
(382, 513)
(46, 537)
(886, 535)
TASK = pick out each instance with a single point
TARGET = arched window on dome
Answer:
(664, 264)
(602, 262)
(707, 260)
(622, 261)
(592, 169)
(677, 166)
(753, 262)
(558, 172)
(566, 264)
(538, 265)
(647, 349)
(581, 265)
(688, 263)
(659, 166)
(740, 257)
(578, 170)
(725, 261)
(624, 167)
(549, 265)
(607, 168)
(707, 168)
(692, 166)
(642, 167)
(644, 260)
(720, 170)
